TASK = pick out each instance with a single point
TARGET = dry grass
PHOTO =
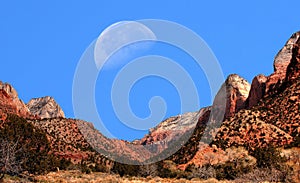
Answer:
(78, 177)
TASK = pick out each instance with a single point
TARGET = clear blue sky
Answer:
(42, 42)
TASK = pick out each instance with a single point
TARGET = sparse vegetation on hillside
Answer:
(27, 148)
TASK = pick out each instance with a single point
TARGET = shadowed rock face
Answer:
(45, 107)
(284, 56)
(281, 62)
(293, 70)
(262, 85)
(258, 88)
(10, 102)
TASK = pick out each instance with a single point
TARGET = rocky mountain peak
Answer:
(45, 107)
(9, 90)
(286, 66)
(281, 63)
(293, 70)
(237, 91)
(284, 56)
(237, 82)
(10, 102)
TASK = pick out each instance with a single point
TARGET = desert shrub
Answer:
(168, 169)
(266, 175)
(204, 172)
(270, 167)
(268, 157)
(9, 164)
(95, 164)
(100, 168)
(97, 168)
(74, 167)
(228, 171)
(238, 162)
(296, 142)
(124, 169)
(85, 169)
(165, 171)
(148, 170)
(232, 169)
(64, 164)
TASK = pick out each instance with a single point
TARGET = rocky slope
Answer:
(68, 142)
(236, 93)
(268, 117)
(170, 127)
(45, 107)
(257, 116)
(275, 120)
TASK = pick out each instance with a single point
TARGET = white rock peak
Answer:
(45, 107)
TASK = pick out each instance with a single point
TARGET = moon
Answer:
(116, 38)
